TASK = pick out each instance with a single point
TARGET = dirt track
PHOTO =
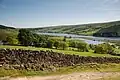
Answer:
(73, 76)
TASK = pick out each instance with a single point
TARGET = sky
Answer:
(43, 13)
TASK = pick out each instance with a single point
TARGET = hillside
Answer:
(6, 27)
(6, 31)
(112, 31)
(85, 29)
(108, 29)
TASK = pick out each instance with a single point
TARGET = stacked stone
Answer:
(42, 60)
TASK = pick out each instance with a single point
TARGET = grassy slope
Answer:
(86, 29)
(61, 51)
(9, 31)
(6, 27)
(5, 31)
(115, 28)
(63, 70)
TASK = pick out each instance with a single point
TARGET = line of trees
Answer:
(104, 48)
(80, 45)
(7, 37)
(27, 38)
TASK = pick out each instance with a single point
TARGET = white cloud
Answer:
(116, 1)
(111, 1)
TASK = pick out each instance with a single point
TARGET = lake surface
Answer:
(87, 39)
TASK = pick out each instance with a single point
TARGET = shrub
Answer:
(50, 43)
(63, 45)
(104, 48)
(82, 47)
(56, 44)
(91, 46)
(12, 40)
(72, 44)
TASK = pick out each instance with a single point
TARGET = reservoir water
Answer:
(87, 39)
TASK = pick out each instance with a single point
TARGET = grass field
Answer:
(63, 70)
(90, 53)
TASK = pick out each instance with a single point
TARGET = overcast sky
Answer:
(39, 13)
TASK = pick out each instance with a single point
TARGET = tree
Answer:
(72, 43)
(56, 44)
(28, 38)
(104, 48)
(25, 37)
(63, 45)
(50, 43)
(12, 40)
(99, 49)
(82, 46)
(64, 38)
(91, 46)
(3, 35)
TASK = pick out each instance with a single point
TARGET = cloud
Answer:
(116, 1)
(111, 1)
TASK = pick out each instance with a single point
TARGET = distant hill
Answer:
(6, 27)
(7, 31)
(108, 29)
(112, 31)
(85, 29)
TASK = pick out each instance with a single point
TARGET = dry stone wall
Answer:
(41, 60)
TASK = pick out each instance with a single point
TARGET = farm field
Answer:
(90, 53)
